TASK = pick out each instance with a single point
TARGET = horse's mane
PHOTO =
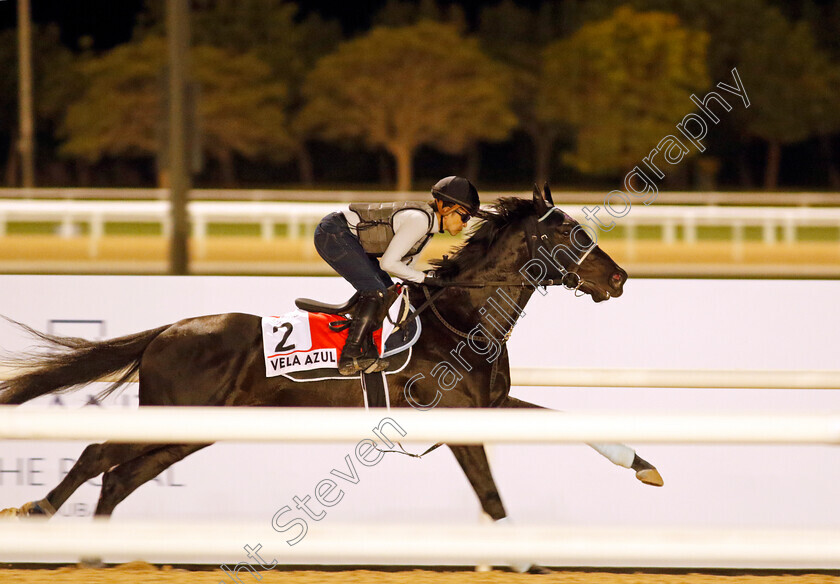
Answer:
(505, 212)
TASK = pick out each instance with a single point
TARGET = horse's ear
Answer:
(539, 201)
(547, 194)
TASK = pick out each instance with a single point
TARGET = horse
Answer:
(520, 246)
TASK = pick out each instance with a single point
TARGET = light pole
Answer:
(26, 140)
(178, 32)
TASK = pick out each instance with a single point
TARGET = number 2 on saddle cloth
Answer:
(306, 341)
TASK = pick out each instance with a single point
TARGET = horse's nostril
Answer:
(617, 279)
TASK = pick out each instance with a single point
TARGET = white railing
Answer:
(684, 378)
(459, 426)
(670, 378)
(404, 544)
(300, 218)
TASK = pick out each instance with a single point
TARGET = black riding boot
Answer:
(359, 352)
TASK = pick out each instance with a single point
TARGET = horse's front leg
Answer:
(616, 453)
(473, 461)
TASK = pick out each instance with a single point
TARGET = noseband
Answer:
(568, 277)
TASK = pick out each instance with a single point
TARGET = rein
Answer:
(531, 240)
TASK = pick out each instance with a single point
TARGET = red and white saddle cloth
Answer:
(303, 341)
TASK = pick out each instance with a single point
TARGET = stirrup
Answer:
(356, 364)
(378, 365)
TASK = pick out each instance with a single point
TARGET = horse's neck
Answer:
(495, 307)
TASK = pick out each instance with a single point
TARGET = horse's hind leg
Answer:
(95, 459)
(118, 483)
(616, 453)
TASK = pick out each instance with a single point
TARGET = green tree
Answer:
(792, 83)
(240, 106)
(516, 36)
(623, 83)
(55, 86)
(793, 87)
(400, 88)
(273, 31)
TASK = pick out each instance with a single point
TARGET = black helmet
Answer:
(456, 189)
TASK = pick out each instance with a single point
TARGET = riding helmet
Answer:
(456, 189)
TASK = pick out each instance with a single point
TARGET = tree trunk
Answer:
(12, 161)
(386, 177)
(163, 178)
(828, 155)
(473, 162)
(745, 177)
(771, 169)
(677, 178)
(227, 167)
(305, 167)
(83, 174)
(403, 155)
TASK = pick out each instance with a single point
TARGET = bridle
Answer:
(535, 234)
(569, 277)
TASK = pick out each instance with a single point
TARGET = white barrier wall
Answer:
(703, 324)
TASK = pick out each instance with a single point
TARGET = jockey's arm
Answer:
(410, 226)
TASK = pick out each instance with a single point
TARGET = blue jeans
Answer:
(345, 254)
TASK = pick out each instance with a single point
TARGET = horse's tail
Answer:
(73, 362)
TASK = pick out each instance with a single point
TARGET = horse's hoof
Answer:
(10, 513)
(40, 508)
(650, 476)
(96, 563)
(529, 569)
(33, 509)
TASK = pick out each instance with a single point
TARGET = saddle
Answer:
(323, 324)
(309, 305)
(317, 306)
(346, 309)
(393, 343)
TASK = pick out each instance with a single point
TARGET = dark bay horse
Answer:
(520, 246)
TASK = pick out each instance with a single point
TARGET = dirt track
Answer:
(139, 572)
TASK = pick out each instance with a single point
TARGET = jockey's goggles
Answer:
(462, 213)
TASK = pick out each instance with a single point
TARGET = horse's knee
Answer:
(112, 486)
(91, 460)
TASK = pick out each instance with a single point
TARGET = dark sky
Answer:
(110, 22)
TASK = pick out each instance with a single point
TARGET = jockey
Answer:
(367, 241)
